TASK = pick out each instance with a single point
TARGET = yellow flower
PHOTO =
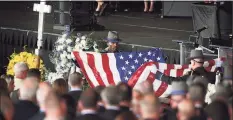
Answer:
(26, 57)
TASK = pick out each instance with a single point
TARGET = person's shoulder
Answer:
(90, 117)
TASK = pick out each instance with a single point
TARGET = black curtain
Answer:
(15, 41)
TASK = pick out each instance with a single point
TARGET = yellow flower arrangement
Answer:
(28, 58)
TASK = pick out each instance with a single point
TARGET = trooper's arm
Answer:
(169, 79)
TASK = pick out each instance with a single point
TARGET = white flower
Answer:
(68, 41)
(65, 53)
(83, 42)
(63, 56)
(69, 64)
(72, 56)
(60, 47)
(61, 40)
(65, 61)
(83, 37)
(69, 49)
(69, 57)
(77, 40)
(64, 36)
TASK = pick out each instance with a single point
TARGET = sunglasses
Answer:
(196, 62)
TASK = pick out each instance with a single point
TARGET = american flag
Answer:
(131, 67)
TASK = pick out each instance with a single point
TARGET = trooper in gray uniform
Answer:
(112, 41)
(196, 60)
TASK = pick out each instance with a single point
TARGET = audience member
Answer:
(128, 115)
(10, 83)
(222, 93)
(60, 86)
(100, 104)
(20, 71)
(111, 99)
(145, 87)
(35, 73)
(197, 92)
(87, 105)
(136, 107)
(125, 93)
(55, 109)
(26, 107)
(217, 110)
(41, 95)
(75, 82)
(150, 107)
(70, 106)
(178, 93)
(6, 107)
(227, 76)
(3, 86)
(136, 94)
(3, 76)
(186, 110)
(230, 108)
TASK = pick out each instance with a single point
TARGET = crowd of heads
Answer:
(65, 99)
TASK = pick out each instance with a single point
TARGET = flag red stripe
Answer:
(134, 78)
(91, 63)
(167, 72)
(162, 88)
(179, 72)
(132, 81)
(211, 63)
(79, 60)
(171, 66)
(151, 77)
(107, 69)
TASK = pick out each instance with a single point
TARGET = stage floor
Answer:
(133, 28)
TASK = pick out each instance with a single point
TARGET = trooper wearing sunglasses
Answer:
(196, 60)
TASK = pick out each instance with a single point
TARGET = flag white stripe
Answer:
(162, 66)
(99, 68)
(177, 66)
(173, 73)
(89, 72)
(156, 84)
(167, 92)
(113, 68)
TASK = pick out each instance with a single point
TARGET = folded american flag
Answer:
(130, 67)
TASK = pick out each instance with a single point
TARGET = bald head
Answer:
(28, 89)
(186, 109)
(150, 106)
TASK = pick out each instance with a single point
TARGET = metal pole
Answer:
(181, 54)
(62, 14)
